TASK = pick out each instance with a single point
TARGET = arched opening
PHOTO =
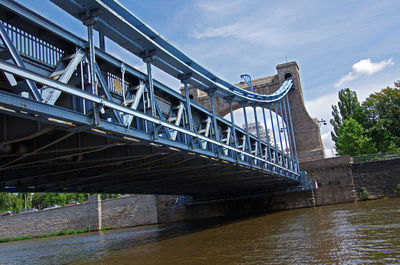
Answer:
(288, 75)
(267, 134)
(191, 97)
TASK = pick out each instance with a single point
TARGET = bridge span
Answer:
(76, 119)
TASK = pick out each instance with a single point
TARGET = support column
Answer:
(102, 42)
(279, 128)
(148, 61)
(90, 20)
(266, 133)
(257, 129)
(94, 215)
(185, 82)
(273, 132)
(230, 101)
(244, 104)
(235, 143)
(123, 83)
(211, 93)
(291, 156)
(294, 138)
(283, 127)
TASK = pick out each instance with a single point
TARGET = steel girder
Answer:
(137, 110)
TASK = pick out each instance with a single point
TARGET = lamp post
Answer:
(247, 79)
(321, 121)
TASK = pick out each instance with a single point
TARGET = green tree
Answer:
(11, 202)
(348, 107)
(382, 118)
(42, 200)
(109, 196)
(5, 200)
(351, 139)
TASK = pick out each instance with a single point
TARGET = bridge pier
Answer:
(168, 212)
(95, 212)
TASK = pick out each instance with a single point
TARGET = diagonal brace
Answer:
(18, 61)
(106, 92)
(51, 95)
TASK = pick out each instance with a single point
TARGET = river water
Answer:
(360, 233)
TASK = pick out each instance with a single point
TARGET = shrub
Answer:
(397, 189)
(364, 194)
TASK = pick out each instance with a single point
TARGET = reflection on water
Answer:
(367, 232)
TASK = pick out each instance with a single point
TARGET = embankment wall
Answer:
(167, 212)
(339, 180)
(113, 213)
(335, 180)
(379, 178)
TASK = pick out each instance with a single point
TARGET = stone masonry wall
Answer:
(167, 212)
(379, 178)
(129, 211)
(114, 213)
(306, 130)
(48, 221)
(339, 181)
(334, 178)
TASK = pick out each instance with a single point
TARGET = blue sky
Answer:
(336, 44)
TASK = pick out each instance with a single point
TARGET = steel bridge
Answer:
(76, 119)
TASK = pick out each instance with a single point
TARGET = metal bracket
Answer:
(90, 16)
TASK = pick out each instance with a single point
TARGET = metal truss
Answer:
(61, 78)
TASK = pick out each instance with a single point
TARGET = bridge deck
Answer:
(125, 132)
(47, 155)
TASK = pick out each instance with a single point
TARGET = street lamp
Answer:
(321, 121)
(247, 79)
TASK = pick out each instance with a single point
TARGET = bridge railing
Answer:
(123, 97)
(33, 47)
(376, 157)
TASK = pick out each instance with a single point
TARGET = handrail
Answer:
(122, 26)
(24, 73)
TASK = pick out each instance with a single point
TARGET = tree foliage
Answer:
(14, 202)
(373, 126)
(348, 107)
(43, 200)
(382, 118)
(351, 139)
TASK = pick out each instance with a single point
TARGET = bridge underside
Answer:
(41, 151)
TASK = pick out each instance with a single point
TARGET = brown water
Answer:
(366, 232)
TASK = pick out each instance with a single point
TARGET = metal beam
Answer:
(50, 95)
(18, 61)
(6, 165)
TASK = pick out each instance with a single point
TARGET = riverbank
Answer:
(62, 232)
(360, 233)
(339, 181)
(113, 213)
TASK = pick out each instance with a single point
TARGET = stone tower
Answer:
(306, 130)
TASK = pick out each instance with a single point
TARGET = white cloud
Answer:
(263, 32)
(217, 7)
(364, 67)
(320, 108)
(327, 140)
(232, 30)
(268, 24)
